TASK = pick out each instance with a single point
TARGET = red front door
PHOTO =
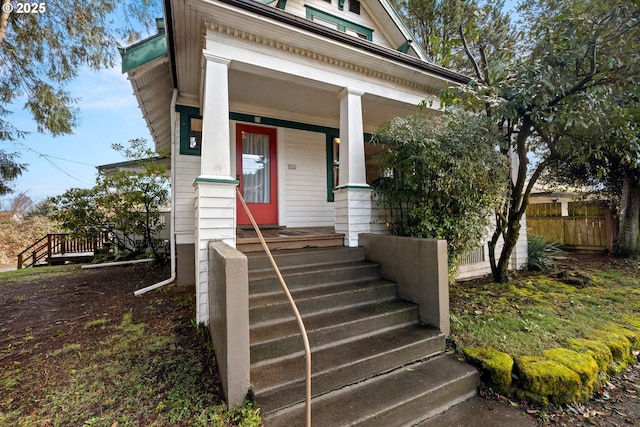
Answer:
(257, 172)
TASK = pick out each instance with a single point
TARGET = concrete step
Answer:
(281, 383)
(266, 282)
(401, 397)
(273, 308)
(304, 257)
(283, 339)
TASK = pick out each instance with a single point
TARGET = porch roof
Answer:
(180, 67)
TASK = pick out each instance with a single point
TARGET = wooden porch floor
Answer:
(287, 238)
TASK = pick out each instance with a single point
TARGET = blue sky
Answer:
(108, 114)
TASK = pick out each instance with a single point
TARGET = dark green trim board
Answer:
(186, 113)
(329, 150)
(405, 46)
(280, 5)
(357, 187)
(341, 23)
(143, 52)
(217, 181)
(260, 120)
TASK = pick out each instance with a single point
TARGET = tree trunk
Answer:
(626, 244)
(516, 207)
(501, 274)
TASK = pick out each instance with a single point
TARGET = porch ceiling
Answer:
(251, 91)
(254, 88)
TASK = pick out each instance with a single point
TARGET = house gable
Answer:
(376, 20)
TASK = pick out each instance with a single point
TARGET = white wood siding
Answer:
(305, 179)
(188, 169)
(297, 7)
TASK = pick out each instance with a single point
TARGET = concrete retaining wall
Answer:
(419, 267)
(229, 318)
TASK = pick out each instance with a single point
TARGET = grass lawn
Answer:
(538, 312)
(535, 313)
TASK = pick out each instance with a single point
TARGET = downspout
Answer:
(172, 241)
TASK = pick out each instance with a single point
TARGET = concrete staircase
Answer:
(373, 362)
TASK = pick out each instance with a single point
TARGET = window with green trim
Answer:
(190, 130)
(337, 23)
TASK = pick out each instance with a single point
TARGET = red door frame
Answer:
(264, 213)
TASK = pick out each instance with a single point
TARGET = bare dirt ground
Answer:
(52, 310)
(43, 314)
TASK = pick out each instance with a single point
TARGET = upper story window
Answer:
(354, 6)
(335, 22)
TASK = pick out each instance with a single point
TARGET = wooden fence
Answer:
(590, 233)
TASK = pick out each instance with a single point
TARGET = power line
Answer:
(48, 158)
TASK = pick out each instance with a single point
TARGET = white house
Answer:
(276, 98)
(283, 80)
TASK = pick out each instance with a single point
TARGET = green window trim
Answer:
(405, 47)
(280, 5)
(217, 181)
(342, 24)
(186, 113)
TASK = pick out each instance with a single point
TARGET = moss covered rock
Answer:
(629, 333)
(596, 349)
(618, 344)
(545, 378)
(495, 365)
(580, 363)
(632, 322)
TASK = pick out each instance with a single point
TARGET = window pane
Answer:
(355, 33)
(195, 132)
(255, 168)
(325, 23)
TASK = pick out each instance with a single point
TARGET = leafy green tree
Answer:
(41, 52)
(574, 54)
(446, 178)
(125, 203)
(438, 25)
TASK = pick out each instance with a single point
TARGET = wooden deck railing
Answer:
(53, 244)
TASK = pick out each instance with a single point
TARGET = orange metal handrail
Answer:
(303, 331)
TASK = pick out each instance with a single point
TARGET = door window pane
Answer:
(255, 168)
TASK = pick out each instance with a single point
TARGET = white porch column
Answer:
(352, 198)
(215, 203)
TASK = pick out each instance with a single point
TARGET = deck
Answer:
(287, 238)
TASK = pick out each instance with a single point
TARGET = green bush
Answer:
(443, 178)
(542, 253)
